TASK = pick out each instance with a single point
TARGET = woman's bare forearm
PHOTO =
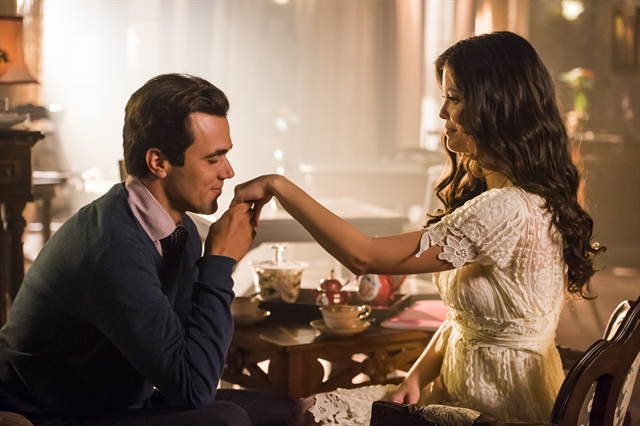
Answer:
(427, 368)
(360, 253)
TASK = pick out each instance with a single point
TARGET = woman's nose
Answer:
(443, 112)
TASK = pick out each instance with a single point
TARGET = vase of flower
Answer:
(580, 81)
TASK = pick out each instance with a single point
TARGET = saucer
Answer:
(251, 319)
(358, 327)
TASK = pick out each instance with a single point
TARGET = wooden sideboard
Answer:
(15, 192)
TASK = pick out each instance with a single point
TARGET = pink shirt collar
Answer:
(155, 220)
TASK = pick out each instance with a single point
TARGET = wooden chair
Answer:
(571, 356)
(595, 392)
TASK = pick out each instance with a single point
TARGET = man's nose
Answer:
(227, 171)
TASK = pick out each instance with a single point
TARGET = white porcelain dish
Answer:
(255, 318)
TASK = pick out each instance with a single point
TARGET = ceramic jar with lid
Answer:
(278, 278)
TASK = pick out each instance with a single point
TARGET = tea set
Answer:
(343, 320)
(343, 312)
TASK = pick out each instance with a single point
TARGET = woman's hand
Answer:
(256, 191)
(408, 392)
(422, 373)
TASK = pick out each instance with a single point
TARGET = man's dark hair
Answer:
(158, 116)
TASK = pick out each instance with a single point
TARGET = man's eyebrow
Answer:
(218, 152)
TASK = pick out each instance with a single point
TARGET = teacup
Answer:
(344, 316)
(245, 306)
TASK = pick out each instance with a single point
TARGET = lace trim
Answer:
(457, 249)
(353, 406)
(348, 406)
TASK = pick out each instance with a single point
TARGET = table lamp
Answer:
(13, 70)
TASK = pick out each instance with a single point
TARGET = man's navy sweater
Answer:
(91, 330)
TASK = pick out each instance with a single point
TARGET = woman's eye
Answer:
(453, 99)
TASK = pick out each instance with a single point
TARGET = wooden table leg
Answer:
(45, 191)
(12, 253)
(15, 225)
(5, 271)
(305, 375)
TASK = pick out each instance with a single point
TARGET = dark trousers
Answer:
(230, 408)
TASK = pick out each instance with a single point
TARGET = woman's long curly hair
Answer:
(511, 112)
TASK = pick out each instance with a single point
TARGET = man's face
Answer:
(196, 186)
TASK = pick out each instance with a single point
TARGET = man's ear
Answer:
(157, 162)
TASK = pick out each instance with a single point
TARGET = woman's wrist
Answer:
(412, 379)
(275, 185)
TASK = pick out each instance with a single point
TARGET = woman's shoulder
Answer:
(493, 201)
(495, 221)
(505, 210)
(512, 198)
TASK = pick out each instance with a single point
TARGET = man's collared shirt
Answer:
(155, 220)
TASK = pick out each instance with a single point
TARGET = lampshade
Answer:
(15, 71)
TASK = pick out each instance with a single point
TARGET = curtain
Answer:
(319, 81)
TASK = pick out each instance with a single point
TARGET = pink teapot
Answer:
(330, 292)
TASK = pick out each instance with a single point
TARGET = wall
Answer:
(319, 81)
(612, 172)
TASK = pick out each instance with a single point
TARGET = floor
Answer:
(582, 322)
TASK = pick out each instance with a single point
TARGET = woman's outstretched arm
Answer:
(360, 253)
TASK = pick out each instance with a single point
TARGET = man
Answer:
(113, 324)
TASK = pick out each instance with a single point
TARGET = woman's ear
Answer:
(156, 162)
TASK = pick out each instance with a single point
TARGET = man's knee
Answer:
(264, 408)
(224, 413)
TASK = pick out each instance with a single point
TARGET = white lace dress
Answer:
(505, 293)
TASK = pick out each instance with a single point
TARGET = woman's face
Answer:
(457, 139)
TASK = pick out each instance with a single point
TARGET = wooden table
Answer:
(293, 350)
(15, 192)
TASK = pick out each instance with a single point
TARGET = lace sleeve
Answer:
(456, 248)
(486, 229)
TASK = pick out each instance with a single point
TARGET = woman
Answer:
(509, 244)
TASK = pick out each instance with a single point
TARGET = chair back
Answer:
(616, 319)
(609, 366)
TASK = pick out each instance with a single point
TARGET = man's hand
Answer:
(233, 233)
(255, 191)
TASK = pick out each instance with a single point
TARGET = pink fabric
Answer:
(152, 216)
(422, 315)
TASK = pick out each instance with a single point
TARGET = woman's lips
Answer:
(448, 131)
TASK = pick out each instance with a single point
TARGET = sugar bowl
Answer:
(278, 278)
